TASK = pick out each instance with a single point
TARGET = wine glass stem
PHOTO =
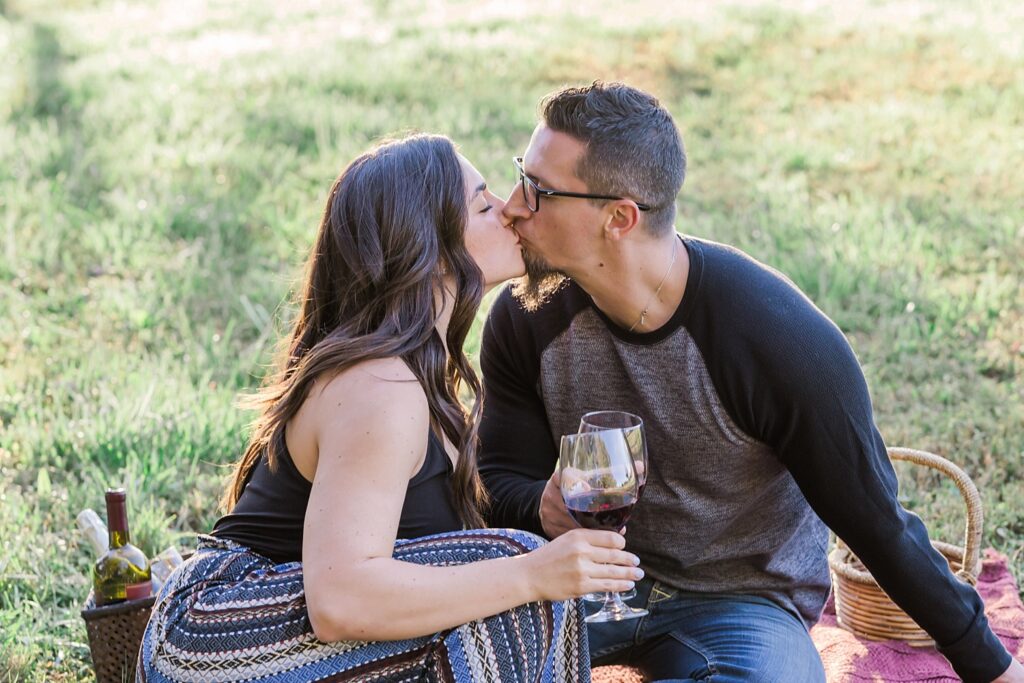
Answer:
(613, 603)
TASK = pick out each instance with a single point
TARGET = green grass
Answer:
(163, 166)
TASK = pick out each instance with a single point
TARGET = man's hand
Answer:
(554, 516)
(1015, 674)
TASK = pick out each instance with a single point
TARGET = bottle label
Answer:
(137, 591)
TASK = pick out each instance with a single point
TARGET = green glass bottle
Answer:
(122, 573)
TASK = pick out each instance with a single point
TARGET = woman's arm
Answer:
(371, 427)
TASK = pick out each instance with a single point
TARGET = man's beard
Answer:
(539, 283)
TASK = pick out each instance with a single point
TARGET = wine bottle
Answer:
(122, 573)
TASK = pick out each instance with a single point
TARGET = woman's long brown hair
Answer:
(394, 220)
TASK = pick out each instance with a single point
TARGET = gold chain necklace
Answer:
(643, 313)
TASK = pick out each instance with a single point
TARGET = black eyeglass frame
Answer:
(523, 179)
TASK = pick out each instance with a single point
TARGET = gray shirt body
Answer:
(720, 512)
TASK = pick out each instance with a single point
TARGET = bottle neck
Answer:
(117, 522)
(119, 539)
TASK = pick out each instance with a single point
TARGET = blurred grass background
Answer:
(163, 166)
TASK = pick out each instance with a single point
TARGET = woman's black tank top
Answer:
(269, 515)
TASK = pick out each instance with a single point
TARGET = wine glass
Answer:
(600, 487)
(632, 427)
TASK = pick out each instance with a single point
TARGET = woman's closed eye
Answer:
(486, 197)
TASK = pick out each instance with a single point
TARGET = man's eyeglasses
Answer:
(533, 192)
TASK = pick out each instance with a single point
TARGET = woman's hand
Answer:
(582, 561)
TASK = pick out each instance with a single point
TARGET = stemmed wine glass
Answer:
(600, 487)
(632, 427)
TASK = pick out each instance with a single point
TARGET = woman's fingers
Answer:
(613, 579)
(605, 547)
(603, 539)
(595, 561)
(614, 571)
(614, 557)
(611, 586)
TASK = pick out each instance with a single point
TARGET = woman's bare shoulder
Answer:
(371, 390)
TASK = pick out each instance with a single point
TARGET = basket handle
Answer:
(975, 517)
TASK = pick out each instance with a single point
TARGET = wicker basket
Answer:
(862, 607)
(115, 632)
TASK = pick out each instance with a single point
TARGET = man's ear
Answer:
(621, 217)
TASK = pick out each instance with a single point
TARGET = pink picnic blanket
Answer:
(849, 659)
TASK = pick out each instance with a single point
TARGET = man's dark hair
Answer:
(632, 146)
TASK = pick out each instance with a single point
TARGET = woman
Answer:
(353, 548)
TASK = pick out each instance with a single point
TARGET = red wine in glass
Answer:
(601, 509)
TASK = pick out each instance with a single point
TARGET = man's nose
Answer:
(515, 207)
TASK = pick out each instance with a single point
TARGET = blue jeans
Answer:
(690, 637)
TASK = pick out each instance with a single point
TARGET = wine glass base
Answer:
(607, 615)
(625, 596)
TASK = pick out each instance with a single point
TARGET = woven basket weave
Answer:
(864, 608)
(115, 632)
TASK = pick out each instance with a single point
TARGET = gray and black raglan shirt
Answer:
(760, 438)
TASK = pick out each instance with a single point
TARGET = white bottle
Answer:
(94, 530)
(162, 565)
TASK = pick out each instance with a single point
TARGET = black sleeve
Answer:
(788, 377)
(828, 440)
(517, 454)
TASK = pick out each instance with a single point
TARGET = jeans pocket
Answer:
(673, 657)
(705, 667)
(607, 639)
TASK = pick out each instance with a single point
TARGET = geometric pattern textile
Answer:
(229, 615)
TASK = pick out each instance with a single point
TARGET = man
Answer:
(758, 419)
